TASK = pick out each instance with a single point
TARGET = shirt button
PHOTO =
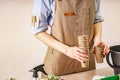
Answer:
(77, 21)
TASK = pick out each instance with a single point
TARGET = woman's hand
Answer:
(76, 53)
(72, 52)
(101, 43)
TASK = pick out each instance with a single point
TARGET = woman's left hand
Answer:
(106, 48)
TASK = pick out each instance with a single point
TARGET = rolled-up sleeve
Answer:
(41, 10)
(98, 17)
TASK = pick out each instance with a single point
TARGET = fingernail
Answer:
(87, 56)
(85, 60)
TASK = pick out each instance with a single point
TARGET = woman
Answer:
(68, 19)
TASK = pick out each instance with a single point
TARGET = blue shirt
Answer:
(45, 10)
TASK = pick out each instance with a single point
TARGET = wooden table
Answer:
(88, 75)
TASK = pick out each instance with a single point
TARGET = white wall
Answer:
(20, 51)
(111, 12)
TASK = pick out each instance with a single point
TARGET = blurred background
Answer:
(20, 51)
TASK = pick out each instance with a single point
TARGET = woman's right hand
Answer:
(72, 52)
(76, 53)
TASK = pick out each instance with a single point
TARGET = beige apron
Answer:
(72, 18)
